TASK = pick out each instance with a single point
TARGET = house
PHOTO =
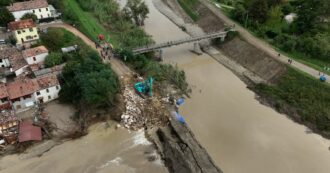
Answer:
(5, 54)
(35, 55)
(21, 92)
(38, 7)
(4, 97)
(49, 88)
(12, 61)
(18, 64)
(24, 31)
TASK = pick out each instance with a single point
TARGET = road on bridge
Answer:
(262, 45)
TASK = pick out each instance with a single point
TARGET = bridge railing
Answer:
(149, 48)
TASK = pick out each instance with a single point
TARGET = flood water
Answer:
(240, 134)
(101, 151)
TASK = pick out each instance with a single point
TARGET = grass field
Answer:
(299, 93)
(88, 24)
(188, 7)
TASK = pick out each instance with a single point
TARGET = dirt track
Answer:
(260, 44)
(118, 67)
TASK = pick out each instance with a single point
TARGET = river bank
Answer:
(229, 122)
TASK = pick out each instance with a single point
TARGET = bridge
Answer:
(195, 39)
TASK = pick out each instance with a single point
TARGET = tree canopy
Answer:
(137, 10)
(86, 81)
(5, 17)
(29, 16)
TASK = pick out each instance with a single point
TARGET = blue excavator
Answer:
(144, 87)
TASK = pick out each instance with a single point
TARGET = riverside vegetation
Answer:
(95, 17)
(302, 97)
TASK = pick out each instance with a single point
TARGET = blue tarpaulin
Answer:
(323, 79)
(180, 101)
(178, 117)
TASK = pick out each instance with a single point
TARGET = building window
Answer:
(47, 90)
(18, 32)
(23, 30)
(0, 60)
(48, 15)
(57, 87)
(31, 29)
(41, 16)
(33, 11)
(35, 35)
(34, 58)
(49, 97)
(2, 65)
(39, 10)
(46, 9)
(38, 93)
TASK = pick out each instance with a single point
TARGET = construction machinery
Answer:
(144, 87)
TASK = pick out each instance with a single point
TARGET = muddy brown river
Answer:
(240, 134)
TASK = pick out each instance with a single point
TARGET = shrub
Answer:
(53, 59)
(30, 16)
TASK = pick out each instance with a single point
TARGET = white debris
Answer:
(132, 117)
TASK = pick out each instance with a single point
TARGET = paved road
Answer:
(118, 66)
(260, 44)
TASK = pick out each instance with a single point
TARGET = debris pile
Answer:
(8, 127)
(132, 117)
(143, 112)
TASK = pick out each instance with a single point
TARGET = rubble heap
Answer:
(132, 117)
(143, 112)
(8, 127)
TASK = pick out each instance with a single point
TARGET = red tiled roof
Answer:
(17, 61)
(22, 87)
(22, 24)
(34, 51)
(29, 132)
(6, 52)
(47, 81)
(27, 5)
(3, 91)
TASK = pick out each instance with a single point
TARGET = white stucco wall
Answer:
(26, 35)
(4, 62)
(48, 96)
(22, 103)
(41, 13)
(38, 59)
(20, 70)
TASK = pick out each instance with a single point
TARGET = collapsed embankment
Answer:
(180, 150)
(247, 60)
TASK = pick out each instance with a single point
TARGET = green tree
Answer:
(274, 17)
(88, 82)
(5, 2)
(30, 16)
(138, 10)
(258, 11)
(53, 39)
(311, 14)
(53, 59)
(5, 17)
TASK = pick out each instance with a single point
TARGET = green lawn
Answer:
(89, 25)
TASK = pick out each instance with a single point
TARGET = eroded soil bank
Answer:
(240, 134)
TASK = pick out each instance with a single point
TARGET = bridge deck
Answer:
(153, 47)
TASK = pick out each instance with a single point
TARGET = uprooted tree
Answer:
(137, 10)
